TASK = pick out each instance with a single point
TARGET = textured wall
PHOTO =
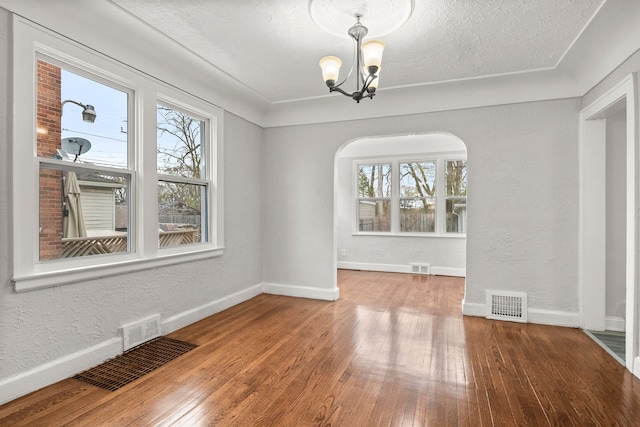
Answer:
(523, 197)
(40, 326)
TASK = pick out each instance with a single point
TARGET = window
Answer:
(456, 176)
(374, 197)
(182, 167)
(81, 189)
(412, 196)
(417, 197)
(126, 170)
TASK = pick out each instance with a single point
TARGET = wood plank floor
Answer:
(393, 351)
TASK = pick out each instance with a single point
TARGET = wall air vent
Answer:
(141, 331)
(506, 305)
(420, 268)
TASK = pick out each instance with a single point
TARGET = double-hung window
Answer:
(414, 196)
(183, 187)
(417, 196)
(114, 171)
(374, 197)
(456, 196)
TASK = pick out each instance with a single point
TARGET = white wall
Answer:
(616, 202)
(46, 331)
(446, 255)
(523, 196)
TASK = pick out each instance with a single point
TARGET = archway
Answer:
(412, 240)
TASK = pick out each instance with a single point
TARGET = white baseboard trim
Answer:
(388, 268)
(473, 309)
(534, 315)
(399, 268)
(51, 372)
(617, 324)
(554, 318)
(636, 367)
(302, 291)
(13, 387)
(447, 271)
(188, 317)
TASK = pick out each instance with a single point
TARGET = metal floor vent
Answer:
(504, 305)
(135, 363)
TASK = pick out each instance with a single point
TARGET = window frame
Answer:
(210, 138)
(440, 158)
(31, 43)
(375, 200)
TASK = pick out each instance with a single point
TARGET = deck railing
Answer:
(84, 246)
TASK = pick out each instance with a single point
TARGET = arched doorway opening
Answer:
(400, 204)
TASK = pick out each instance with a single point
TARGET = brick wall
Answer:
(49, 134)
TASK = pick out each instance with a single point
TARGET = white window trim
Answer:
(29, 273)
(440, 196)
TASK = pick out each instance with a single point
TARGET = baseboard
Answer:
(447, 271)
(636, 367)
(67, 366)
(534, 315)
(554, 318)
(13, 387)
(473, 309)
(302, 291)
(399, 268)
(617, 324)
(387, 268)
(188, 317)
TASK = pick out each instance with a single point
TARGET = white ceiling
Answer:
(273, 47)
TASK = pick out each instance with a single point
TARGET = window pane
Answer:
(180, 211)
(82, 213)
(180, 144)
(457, 178)
(65, 102)
(456, 196)
(374, 215)
(418, 179)
(374, 180)
(418, 215)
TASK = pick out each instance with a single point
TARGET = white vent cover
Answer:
(141, 331)
(506, 305)
(420, 268)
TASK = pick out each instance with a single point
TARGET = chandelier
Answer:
(367, 60)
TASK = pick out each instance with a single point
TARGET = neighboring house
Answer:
(97, 196)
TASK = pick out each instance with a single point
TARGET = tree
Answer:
(422, 177)
(179, 154)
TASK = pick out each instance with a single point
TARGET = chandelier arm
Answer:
(342, 91)
(367, 81)
(350, 69)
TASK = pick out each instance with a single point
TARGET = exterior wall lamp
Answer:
(88, 114)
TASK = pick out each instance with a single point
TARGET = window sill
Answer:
(67, 276)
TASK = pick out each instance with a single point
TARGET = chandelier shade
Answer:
(367, 62)
(330, 68)
(372, 53)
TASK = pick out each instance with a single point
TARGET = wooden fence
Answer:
(84, 246)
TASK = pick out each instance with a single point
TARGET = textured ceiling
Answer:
(273, 47)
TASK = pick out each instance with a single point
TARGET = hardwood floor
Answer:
(393, 351)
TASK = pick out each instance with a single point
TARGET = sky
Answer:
(107, 134)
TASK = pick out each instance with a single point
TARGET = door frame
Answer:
(592, 213)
